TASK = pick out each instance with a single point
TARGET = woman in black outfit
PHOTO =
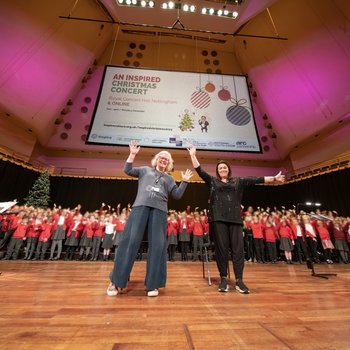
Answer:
(225, 216)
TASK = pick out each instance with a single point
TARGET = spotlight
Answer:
(151, 3)
(164, 5)
(192, 8)
(143, 3)
(120, 1)
(219, 12)
(171, 4)
(204, 10)
(234, 14)
(226, 12)
(134, 2)
(128, 2)
(185, 7)
(211, 11)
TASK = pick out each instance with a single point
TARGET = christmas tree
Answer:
(187, 122)
(39, 195)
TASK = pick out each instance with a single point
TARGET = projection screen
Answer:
(168, 109)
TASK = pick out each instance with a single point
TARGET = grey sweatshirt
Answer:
(154, 187)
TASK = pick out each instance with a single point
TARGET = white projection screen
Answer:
(168, 109)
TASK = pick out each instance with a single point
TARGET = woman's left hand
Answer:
(280, 177)
(187, 175)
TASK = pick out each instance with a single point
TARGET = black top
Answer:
(225, 198)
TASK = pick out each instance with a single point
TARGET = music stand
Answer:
(310, 266)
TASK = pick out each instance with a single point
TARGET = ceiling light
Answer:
(136, 3)
(192, 8)
(185, 7)
(171, 4)
(164, 5)
(220, 13)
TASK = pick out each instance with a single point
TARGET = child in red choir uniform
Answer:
(85, 242)
(198, 231)
(61, 219)
(270, 233)
(340, 243)
(286, 240)
(17, 239)
(33, 232)
(299, 239)
(97, 238)
(73, 236)
(258, 238)
(107, 243)
(172, 231)
(311, 237)
(185, 230)
(11, 225)
(325, 239)
(119, 228)
(44, 238)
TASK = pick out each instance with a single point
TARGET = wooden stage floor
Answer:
(63, 305)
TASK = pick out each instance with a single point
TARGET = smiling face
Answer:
(162, 161)
(223, 171)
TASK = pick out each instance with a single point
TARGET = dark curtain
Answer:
(332, 190)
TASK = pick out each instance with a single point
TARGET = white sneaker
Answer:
(153, 293)
(112, 291)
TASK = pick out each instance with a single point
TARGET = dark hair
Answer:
(229, 175)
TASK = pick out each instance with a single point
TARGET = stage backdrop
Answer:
(173, 110)
(331, 190)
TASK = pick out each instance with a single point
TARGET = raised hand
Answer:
(191, 150)
(280, 177)
(187, 175)
(134, 148)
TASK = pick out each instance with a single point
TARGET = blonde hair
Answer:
(170, 165)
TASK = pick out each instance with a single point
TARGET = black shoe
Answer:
(241, 287)
(223, 286)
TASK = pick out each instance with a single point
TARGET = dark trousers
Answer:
(6, 237)
(248, 246)
(13, 248)
(96, 243)
(312, 246)
(171, 249)
(41, 250)
(228, 236)
(259, 249)
(155, 221)
(197, 242)
(271, 250)
(184, 250)
(301, 249)
(30, 248)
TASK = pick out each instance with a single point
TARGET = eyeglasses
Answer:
(165, 159)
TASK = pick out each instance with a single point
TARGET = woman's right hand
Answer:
(134, 148)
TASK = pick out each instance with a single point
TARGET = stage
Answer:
(63, 305)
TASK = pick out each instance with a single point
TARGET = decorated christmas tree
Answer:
(39, 195)
(186, 122)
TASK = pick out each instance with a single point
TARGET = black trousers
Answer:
(259, 249)
(271, 250)
(301, 249)
(312, 245)
(228, 236)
